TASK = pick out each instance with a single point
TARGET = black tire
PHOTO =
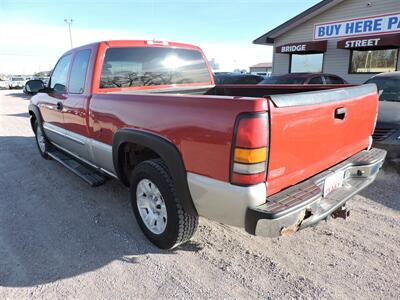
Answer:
(43, 152)
(180, 225)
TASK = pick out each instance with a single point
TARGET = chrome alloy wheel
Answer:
(151, 206)
(41, 140)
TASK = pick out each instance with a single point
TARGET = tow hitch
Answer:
(342, 212)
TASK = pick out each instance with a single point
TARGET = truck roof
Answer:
(139, 43)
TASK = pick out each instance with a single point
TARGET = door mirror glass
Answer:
(34, 86)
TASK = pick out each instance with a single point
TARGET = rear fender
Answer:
(166, 150)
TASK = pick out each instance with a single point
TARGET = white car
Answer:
(3, 84)
(16, 82)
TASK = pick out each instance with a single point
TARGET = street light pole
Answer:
(69, 22)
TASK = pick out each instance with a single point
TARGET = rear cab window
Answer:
(388, 88)
(140, 67)
(78, 72)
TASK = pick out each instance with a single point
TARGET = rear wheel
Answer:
(157, 208)
(41, 141)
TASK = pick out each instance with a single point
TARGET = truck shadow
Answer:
(20, 95)
(20, 115)
(54, 226)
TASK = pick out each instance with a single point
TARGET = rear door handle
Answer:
(59, 106)
(340, 113)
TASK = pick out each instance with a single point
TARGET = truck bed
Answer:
(245, 90)
(305, 138)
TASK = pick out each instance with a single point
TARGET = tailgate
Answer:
(313, 131)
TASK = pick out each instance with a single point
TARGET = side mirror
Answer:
(33, 87)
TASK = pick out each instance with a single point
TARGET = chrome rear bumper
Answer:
(303, 205)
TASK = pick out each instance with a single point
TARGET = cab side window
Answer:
(59, 76)
(333, 80)
(316, 80)
(78, 72)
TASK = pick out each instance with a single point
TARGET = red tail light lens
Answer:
(250, 149)
(252, 132)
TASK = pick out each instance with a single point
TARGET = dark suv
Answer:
(387, 131)
(304, 78)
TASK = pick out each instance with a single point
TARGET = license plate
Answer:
(333, 182)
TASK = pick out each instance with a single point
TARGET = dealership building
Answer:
(350, 38)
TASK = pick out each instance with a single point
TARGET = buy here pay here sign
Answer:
(389, 23)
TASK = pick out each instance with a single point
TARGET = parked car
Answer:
(44, 79)
(16, 82)
(232, 78)
(148, 113)
(3, 84)
(263, 74)
(387, 131)
(304, 78)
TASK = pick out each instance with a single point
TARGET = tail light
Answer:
(250, 149)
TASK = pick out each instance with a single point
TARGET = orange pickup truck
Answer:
(271, 159)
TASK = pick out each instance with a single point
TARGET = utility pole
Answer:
(69, 22)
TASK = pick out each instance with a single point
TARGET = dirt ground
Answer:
(60, 238)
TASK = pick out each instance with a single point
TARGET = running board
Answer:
(83, 171)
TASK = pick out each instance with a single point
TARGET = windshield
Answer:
(17, 79)
(283, 80)
(151, 66)
(389, 88)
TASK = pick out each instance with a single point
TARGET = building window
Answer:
(373, 61)
(306, 63)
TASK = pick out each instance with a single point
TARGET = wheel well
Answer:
(130, 155)
(145, 145)
(33, 119)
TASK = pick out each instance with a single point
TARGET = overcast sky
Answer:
(33, 34)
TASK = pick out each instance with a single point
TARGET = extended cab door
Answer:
(74, 106)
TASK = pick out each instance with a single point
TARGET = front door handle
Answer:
(59, 106)
(340, 113)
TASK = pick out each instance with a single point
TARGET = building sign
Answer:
(304, 47)
(370, 42)
(358, 27)
(361, 43)
(293, 48)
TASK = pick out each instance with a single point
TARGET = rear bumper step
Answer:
(86, 173)
(303, 205)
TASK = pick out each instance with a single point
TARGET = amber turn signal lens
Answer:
(250, 156)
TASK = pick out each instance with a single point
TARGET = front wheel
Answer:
(157, 208)
(41, 141)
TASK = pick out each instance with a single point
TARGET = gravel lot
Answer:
(60, 238)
